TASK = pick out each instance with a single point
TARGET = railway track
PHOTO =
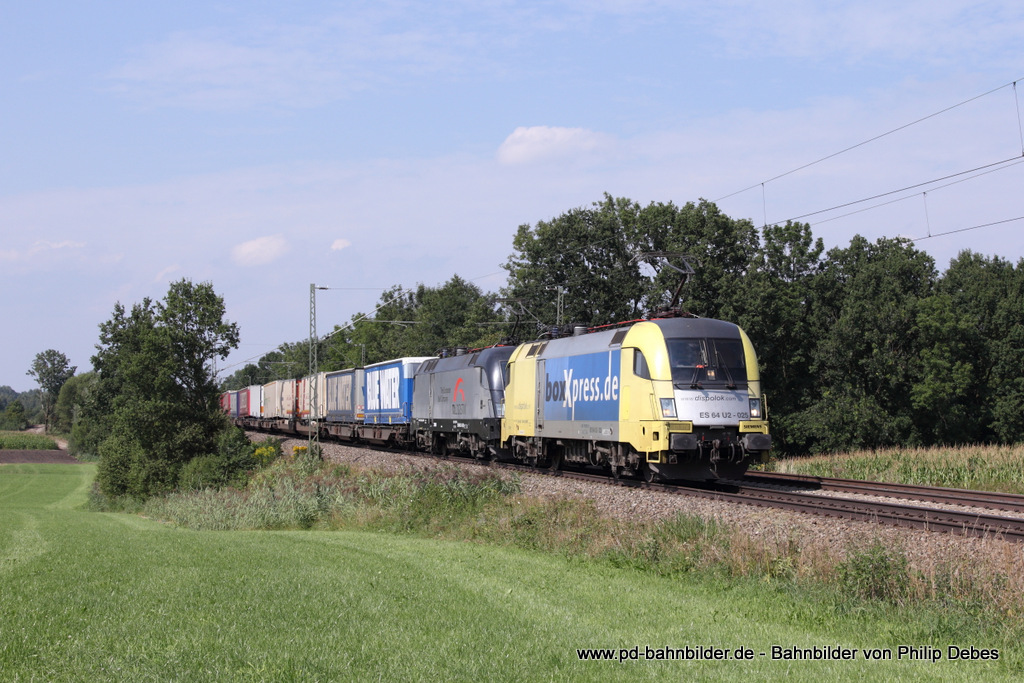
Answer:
(975, 517)
(992, 500)
(776, 491)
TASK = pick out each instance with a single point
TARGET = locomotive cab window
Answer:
(707, 361)
(728, 355)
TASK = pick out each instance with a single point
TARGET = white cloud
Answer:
(166, 271)
(340, 244)
(37, 249)
(539, 143)
(260, 251)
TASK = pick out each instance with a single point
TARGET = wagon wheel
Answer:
(617, 472)
(650, 476)
(556, 460)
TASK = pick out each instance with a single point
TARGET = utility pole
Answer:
(559, 303)
(314, 370)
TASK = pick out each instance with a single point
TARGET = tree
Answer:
(988, 297)
(873, 327)
(154, 405)
(456, 314)
(73, 395)
(596, 253)
(720, 249)
(417, 322)
(13, 417)
(589, 253)
(51, 369)
(7, 395)
(244, 377)
(777, 316)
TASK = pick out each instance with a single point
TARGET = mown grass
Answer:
(20, 441)
(983, 589)
(110, 596)
(987, 468)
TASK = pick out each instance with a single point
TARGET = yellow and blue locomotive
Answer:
(671, 398)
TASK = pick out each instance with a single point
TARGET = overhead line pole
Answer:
(314, 370)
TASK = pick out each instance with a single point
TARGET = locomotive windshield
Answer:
(707, 361)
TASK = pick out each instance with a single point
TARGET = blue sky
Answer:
(266, 145)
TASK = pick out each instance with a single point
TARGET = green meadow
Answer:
(109, 596)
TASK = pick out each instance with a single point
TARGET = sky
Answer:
(264, 146)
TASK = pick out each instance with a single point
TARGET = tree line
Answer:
(18, 410)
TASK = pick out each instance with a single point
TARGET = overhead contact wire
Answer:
(973, 227)
(1019, 160)
(902, 189)
(875, 138)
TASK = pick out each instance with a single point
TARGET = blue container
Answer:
(235, 405)
(389, 388)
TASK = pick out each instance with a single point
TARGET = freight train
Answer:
(674, 398)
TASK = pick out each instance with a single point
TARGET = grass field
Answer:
(103, 596)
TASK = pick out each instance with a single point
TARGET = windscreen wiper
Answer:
(728, 375)
(694, 384)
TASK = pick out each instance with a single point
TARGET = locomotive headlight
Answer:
(755, 409)
(668, 408)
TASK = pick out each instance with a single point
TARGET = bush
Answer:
(876, 572)
(116, 473)
(230, 466)
(236, 450)
(13, 417)
(202, 472)
(84, 442)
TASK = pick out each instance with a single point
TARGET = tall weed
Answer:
(19, 441)
(992, 468)
(877, 572)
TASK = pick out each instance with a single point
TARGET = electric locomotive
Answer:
(457, 402)
(668, 398)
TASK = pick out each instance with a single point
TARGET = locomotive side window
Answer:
(640, 368)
